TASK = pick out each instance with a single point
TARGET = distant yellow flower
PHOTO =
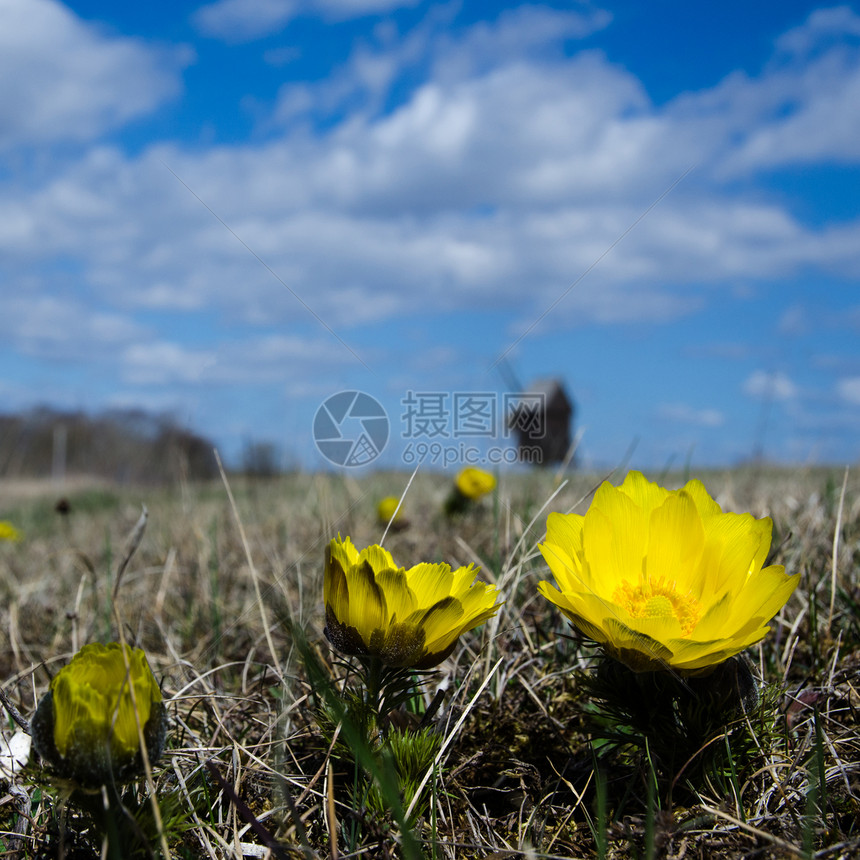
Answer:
(408, 618)
(474, 483)
(9, 532)
(85, 726)
(664, 578)
(387, 509)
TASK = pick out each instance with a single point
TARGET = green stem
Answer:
(115, 848)
(104, 810)
(373, 672)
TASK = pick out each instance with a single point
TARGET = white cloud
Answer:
(164, 363)
(824, 127)
(65, 80)
(343, 9)
(278, 358)
(802, 109)
(63, 329)
(525, 35)
(242, 20)
(245, 20)
(770, 386)
(848, 390)
(336, 223)
(682, 413)
(154, 401)
(499, 125)
(167, 296)
(494, 184)
(823, 25)
(266, 359)
(528, 31)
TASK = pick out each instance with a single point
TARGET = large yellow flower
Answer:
(86, 727)
(664, 578)
(407, 618)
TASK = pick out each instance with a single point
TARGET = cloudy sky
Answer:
(230, 211)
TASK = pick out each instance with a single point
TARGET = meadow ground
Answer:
(530, 764)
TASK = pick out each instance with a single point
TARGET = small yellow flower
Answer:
(474, 483)
(664, 578)
(387, 508)
(408, 618)
(8, 532)
(86, 727)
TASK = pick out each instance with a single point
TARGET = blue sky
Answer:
(230, 211)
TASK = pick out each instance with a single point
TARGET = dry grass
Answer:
(247, 764)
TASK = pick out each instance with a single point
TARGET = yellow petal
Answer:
(461, 580)
(368, 609)
(378, 558)
(565, 568)
(429, 582)
(704, 503)
(675, 542)
(764, 596)
(579, 605)
(551, 593)
(399, 598)
(565, 530)
(344, 551)
(731, 543)
(442, 624)
(715, 621)
(478, 602)
(614, 539)
(764, 526)
(644, 493)
(335, 588)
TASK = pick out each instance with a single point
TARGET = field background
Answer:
(213, 611)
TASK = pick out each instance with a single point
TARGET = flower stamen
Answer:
(659, 599)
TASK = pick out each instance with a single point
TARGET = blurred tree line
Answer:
(126, 446)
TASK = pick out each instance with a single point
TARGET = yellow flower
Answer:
(407, 618)
(387, 508)
(474, 483)
(86, 727)
(9, 532)
(664, 577)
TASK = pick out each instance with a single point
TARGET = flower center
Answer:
(659, 600)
